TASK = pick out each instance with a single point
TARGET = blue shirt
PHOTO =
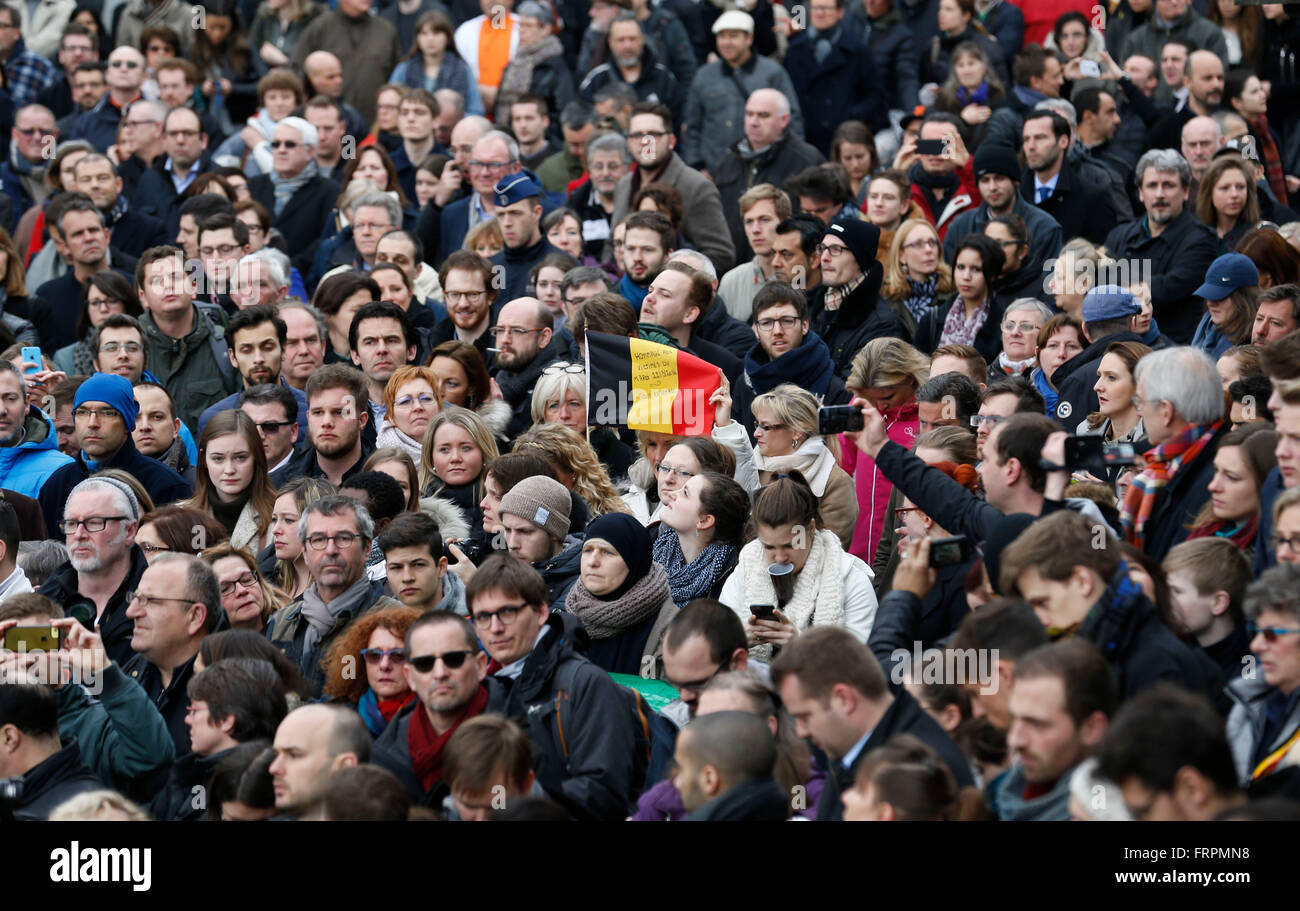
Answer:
(182, 183)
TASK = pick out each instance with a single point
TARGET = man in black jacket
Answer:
(162, 187)
(133, 231)
(524, 334)
(716, 324)
(725, 762)
(846, 310)
(1056, 184)
(46, 771)
(519, 212)
(1108, 313)
(299, 199)
(838, 696)
(680, 297)
(1173, 245)
(579, 721)
(894, 47)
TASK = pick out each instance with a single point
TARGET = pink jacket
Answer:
(872, 486)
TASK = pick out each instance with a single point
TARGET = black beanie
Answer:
(991, 158)
(861, 237)
(633, 543)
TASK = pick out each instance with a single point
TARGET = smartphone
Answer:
(930, 146)
(833, 419)
(1090, 68)
(949, 551)
(763, 611)
(32, 354)
(32, 639)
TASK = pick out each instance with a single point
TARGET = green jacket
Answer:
(195, 369)
(121, 734)
(558, 171)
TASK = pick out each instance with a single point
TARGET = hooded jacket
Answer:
(28, 464)
(861, 317)
(579, 723)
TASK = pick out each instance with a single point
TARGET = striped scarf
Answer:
(921, 295)
(1163, 462)
(836, 296)
(1270, 157)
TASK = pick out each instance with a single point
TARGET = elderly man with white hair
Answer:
(1180, 399)
(298, 197)
(1201, 138)
(371, 215)
(261, 278)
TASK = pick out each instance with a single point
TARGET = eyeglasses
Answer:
(1270, 633)
(786, 322)
(697, 685)
(148, 601)
(92, 523)
(272, 426)
(832, 249)
(284, 144)
(489, 165)
(1292, 544)
(560, 369)
(904, 510)
(466, 297)
(246, 581)
(453, 660)
(115, 347)
(220, 250)
(642, 137)
(407, 401)
(377, 655)
(32, 131)
(343, 540)
(928, 244)
(668, 470)
(1140, 403)
(507, 615)
(768, 428)
(1027, 328)
(978, 420)
(150, 548)
(514, 332)
(129, 64)
(106, 414)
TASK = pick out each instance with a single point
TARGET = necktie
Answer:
(1043, 193)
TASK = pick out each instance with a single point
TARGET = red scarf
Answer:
(390, 707)
(1163, 462)
(1243, 537)
(1270, 157)
(426, 745)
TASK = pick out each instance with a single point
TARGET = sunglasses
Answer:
(284, 144)
(377, 655)
(1270, 633)
(453, 660)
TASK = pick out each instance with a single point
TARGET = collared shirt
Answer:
(851, 756)
(1050, 187)
(183, 183)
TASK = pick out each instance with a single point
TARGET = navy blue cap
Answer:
(1228, 273)
(1109, 302)
(514, 188)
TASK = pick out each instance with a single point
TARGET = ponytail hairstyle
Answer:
(787, 500)
(728, 503)
(912, 778)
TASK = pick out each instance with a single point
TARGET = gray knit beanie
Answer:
(541, 500)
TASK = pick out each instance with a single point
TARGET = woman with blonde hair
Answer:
(560, 397)
(786, 439)
(457, 449)
(291, 573)
(246, 596)
(411, 401)
(916, 277)
(886, 372)
(231, 481)
(485, 239)
(576, 466)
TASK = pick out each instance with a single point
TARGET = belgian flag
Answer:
(647, 386)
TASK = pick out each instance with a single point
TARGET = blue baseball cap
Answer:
(1109, 302)
(514, 188)
(1227, 274)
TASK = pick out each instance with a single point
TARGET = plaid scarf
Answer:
(1163, 462)
(837, 295)
(957, 329)
(1270, 157)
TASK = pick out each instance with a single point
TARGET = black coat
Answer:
(734, 174)
(115, 627)
(136, 232)
(161, 483)
(1179, 501)
(761, 800)
(724, 330)
(156, 194)
(517, 388)
(306, 464)
(863, 316)
(895, 49)
(1179, 259)
(49, 783)
(175, 802)
(304, 216)
(517, 263)
(845, 86)
(805, 366)
(1082, 208)
(732, 366)
(904, 716)
(1076, 399)
(988, 341)
(172, 700)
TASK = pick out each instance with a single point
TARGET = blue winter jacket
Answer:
(26, 466)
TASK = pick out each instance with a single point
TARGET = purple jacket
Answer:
(662, 803)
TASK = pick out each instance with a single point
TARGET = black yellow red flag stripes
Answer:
(648, 386)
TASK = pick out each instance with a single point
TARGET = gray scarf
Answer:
(518, 77)
(322, 618)
(286, 187)
(606, 619)
(822, 42)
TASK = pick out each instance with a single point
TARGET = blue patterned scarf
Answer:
(688, 581)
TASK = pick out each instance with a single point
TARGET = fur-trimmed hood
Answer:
(451, 521)
(496, 413)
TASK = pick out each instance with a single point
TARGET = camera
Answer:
(472, 549)
(1094, 454)
(949, 551)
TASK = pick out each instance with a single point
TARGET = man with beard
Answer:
(257, 338)
(523, 334)
(29, 446)
(519, 213)
(98, 525)
(467, 288)
(380, 340)
(446, 668)
(336, 414)
(1202, 79)
(105, 413)
(795, 260)
(1057, 184)
(1170, 240)
(336, 533)
(647, 240)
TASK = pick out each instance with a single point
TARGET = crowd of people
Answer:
(294, 382)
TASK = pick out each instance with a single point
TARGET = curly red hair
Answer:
(965, 475)
(352, 686)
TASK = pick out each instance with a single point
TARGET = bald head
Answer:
(721, 751)
(310, 743)
(1202, 137)
(325, 72)
(1203, 77)
(526, 312)
(767, 114)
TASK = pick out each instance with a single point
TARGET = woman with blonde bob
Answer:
(231, 481)
(576, 466)
(887, 372)
(246, 606)
(457, 449)
(560, 397)
(410, 402)
(785, 433)
(916, 277)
